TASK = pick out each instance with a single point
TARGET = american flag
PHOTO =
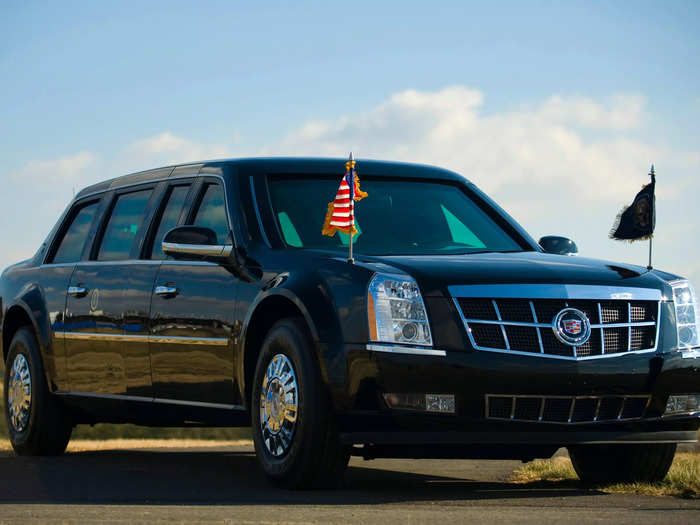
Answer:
(341, 212)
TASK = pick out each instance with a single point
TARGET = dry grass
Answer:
(683, 480)
(81, 445)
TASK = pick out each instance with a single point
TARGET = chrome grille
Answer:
(565, 409)
(622, 320)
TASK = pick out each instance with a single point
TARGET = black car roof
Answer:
(305, 165)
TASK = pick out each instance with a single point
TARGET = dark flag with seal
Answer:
(637, 221)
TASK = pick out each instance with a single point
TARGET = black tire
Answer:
(314, 457)
(47, 429)
(600, 464)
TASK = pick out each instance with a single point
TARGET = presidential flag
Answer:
(340, 215)
(637, 221)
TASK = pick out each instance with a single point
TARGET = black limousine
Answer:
(204, 294)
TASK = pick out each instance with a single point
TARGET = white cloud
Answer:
(565, 165)
(620, 112)
(64, 170)
(167, 148)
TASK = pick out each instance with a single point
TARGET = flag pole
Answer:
(352, 198)
(652, 174)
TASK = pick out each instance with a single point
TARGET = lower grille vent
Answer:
(565, 409)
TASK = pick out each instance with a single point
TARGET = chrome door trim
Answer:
(215, 341)
(555, 291)
(90, 336)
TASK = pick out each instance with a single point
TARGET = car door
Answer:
(192, 316)
(107, 310)
(65, 251)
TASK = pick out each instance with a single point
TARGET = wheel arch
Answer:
(17, 316)
(265, 312)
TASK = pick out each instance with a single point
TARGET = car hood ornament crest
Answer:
(571, 327)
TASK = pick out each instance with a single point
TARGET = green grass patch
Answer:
(682, 480)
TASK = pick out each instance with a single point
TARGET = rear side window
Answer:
(212, 212)
(124, 224)
(73, 242)
(171, 214)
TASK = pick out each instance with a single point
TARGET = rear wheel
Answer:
(36, 421)
(622, 463)
(295, 437)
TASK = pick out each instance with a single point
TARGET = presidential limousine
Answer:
(205, 295)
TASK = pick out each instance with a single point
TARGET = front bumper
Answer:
(364, 417)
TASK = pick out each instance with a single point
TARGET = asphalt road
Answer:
(226, 486)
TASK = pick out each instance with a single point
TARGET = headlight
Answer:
(687, 314)
(396, 311)
(683, 404)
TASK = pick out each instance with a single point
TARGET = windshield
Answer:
(398, 217)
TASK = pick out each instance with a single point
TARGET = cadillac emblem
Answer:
(572, 327)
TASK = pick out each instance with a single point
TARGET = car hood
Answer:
(435, 273)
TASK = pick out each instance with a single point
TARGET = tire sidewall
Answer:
(25, 344)
(288, 338)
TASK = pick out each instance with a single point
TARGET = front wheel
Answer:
(36, 421)
(622, 463)
(294, 433)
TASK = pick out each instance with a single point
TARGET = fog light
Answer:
(684, 404)
(409, 331)
(442, 403)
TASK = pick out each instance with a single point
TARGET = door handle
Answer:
(77, 291)
(166, 291)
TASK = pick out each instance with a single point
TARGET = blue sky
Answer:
(521, 97)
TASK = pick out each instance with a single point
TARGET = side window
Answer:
(171, 214)
(73, 242)
(123, 226)
(212, 212)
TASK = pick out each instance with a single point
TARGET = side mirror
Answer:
(195, 242)
(558, 245)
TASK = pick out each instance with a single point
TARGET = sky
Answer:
(557, 111)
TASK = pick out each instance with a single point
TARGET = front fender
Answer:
(332, 298)
(30, 301)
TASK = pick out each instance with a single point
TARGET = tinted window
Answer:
(171, 214)
(123, 226)
(398, 217)
(212, 213)
(73, 242)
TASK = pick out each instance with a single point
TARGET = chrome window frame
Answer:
(192, 176)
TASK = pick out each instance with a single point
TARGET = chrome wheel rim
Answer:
(19, 393)
(278, 405)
